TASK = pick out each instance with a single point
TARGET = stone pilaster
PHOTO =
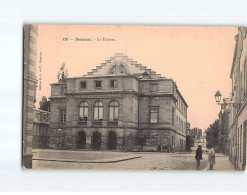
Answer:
(29, 92)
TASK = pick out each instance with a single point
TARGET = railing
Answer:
(113, 124)
(97, 123)
(82, 123)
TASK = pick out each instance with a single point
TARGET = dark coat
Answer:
(198, 154)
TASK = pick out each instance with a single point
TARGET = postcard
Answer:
(119, 97)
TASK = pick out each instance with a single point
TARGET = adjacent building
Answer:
(224, 114)
(41, 123)
(238, 112)
(29, 90)
(119, 104)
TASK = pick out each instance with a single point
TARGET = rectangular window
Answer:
(98, 84)
(154, 87)
(154, 115)
(63, 90)
(173, 116)
(63, 116)
(83, 84)
(113, 83)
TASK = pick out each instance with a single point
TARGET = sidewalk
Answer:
(222, 163)
(82, 156)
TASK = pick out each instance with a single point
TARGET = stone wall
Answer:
(69, 137)
(29, 90)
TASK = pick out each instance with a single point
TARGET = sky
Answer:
(197, 58)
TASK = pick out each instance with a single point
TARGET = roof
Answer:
(119, 59)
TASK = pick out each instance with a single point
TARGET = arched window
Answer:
(113, 111)
(83, 111)
(98, 111)
(122, 69)
(113, 70)
(118, 69)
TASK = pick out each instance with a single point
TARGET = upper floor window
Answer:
(83, 84)
(62, 116)
(116, 69)
(173, 116)
(83, 111)
(98, 111)
(113, 83)
(113, 111)
(154, 86)
(63, 90)
(97, 84)
(154, 115)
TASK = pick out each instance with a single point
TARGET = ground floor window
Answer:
(62, 116)
(154, 115)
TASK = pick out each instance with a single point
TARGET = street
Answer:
(141, 160)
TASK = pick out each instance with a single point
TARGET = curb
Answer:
(88, 161)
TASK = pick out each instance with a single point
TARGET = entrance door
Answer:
(96, 140)
(112, 141)
(81, 140)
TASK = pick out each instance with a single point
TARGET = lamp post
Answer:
(218, 99)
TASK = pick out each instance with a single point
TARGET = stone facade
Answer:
(238, 115)
(119, 105)
(29, 91)
(224, 143)
(41, 123)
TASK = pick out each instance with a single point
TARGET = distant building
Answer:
(201, 141)
(187, 128)
(120, 104)
(41, 123)
(238, 114)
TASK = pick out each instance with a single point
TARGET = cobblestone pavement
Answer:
(222, 163)
(148, 161)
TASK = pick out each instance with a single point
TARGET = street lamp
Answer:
(218, 99)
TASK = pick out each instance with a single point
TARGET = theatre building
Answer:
(119, 104)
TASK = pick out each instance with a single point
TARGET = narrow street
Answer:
(143, 161)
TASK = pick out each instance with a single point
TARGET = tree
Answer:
(189, 142)
(44, 104)
(212, 134)
(196, 133)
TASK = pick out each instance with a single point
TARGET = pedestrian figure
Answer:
(159, 147)
(198, 156)
(211, 158)
(124, 148)
(44, 146)
(173, 148)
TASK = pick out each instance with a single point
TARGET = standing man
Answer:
(211, 157)
(198, 156)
